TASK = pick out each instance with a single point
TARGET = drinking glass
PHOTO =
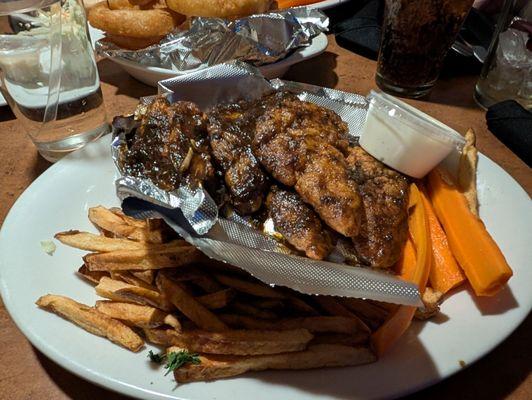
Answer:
(48, 74)
(416, 36)
(507, 71)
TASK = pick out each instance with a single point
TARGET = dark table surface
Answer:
(26, 373)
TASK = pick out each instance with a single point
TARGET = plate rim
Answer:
(140, 392)
(327, 4)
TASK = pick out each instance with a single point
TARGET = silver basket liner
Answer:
(233, 241)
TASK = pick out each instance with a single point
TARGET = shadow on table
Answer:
(114, 75)
(316, 71)
(39, 165)
(73, 386)
(456, 84)
(457, 91)
(367, 381)
(494, 377)
(6, 114)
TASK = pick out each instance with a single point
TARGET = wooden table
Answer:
(26, 373)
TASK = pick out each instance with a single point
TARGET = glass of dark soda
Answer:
(415, 39)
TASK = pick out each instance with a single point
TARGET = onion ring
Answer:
(131, 43)
(140, 2)
(219, 8)
(134, 23)
(133, 5)
(120, 5)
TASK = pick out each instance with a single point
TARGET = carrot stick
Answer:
(445, 273)
(294, 3)
(406, 266)
(398, 322)
(418, 227)
(475, 250)
(392, 329)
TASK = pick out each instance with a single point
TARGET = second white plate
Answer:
(152, 75)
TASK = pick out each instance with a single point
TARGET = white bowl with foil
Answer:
(151, 75)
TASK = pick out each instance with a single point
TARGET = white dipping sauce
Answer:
(404, 138)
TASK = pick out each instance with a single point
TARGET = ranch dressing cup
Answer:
(404, 138)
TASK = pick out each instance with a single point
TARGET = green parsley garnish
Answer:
(177, 360)
(156, 358)
(174, 360)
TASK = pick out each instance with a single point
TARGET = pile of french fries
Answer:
(158, 288)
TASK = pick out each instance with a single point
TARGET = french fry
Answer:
(207, 283)
(110, 222)
(120, 291)
(185, 303)
(431, 304)
(107, 234)
(388, 307)
(262, 303)
(300, 305)
(92, 320)
(127, 277)
(187, 274)
(91, 242)
(151, 224)
(372, 315)
(137, 315)
(220, 267)
(327, 324)
(237, 321)
(319, 324)
(217, 300)
(146, 279)
(332, 306)
(254, 289)
(467, 171)
(340, 338)
(235, 342)
(147, 275)
(139, 223)
(170, 255)
(92, 276)
(318, 356)
(253, 311)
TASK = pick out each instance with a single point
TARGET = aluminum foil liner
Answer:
(257, 39)
(231, 239)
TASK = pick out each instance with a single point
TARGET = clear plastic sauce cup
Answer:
(404, 138)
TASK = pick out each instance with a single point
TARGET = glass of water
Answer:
(48, 74)
(507, 71)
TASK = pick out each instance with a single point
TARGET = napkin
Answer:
(512, 125)
(360, 32)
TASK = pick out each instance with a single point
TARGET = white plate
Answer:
(3, 101)
(58, 200)
(152, 75)
(328, 4)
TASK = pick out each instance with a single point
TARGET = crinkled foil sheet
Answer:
(194, 215)
(257, 39)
